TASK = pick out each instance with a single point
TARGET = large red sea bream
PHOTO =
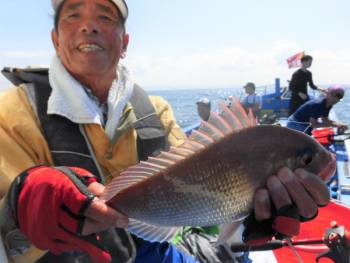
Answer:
(211, 178)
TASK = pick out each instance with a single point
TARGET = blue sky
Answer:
(202, 43)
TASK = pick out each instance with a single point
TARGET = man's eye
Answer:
(73, 16)
(106, 18)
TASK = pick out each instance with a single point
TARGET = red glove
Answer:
(51, 207)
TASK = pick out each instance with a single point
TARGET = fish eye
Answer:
(306, 159)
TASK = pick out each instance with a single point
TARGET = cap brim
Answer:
(120, 4)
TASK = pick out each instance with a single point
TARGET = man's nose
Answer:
(89, 27)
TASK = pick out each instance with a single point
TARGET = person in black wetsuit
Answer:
(298, 84)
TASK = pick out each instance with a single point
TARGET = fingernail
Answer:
(286, 174)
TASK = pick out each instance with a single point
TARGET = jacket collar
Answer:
(70, 99)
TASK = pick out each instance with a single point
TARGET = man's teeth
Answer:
(89, 48)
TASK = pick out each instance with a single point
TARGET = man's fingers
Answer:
(100, 216)
(315, 186)
(279, 194)
(92, 227)
(306, 205)
(96, 188)
(102, 213)
(262, 204)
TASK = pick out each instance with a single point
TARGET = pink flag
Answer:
(294, 61)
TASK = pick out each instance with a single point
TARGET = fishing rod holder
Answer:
(337, 238)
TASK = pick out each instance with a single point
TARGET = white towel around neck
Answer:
(69, 99)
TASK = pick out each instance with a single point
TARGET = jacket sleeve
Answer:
(174, 132)
(311, 82)
(21, 146)
(14, 159)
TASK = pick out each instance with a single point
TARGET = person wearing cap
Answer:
(203, 108)
(315, 113)
(298, 84)
(85, 112)
(251, 100)
(68, 131)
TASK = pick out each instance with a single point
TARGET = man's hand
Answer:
(56, 211)
(302, 95)
(306, 190)
(341, 128)
(99, 216)
(295, 196)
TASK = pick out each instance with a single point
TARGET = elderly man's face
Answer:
(90, 38)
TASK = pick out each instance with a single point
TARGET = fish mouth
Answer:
(328, 171)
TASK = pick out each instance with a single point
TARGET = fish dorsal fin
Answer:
(171, 156)
(140, 168)
(181, 151)
(192, 144)
(160, 161)
(211, 130)
(251, 117)
(201, 137)
(152, 165)
(220, 123)
(230, 118)
(150, 232)
(238, 110)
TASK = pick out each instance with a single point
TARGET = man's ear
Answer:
(54, 39)
(125, 42)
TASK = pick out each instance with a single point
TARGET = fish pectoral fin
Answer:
(152, 233)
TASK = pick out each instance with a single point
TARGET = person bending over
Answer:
(315, 113)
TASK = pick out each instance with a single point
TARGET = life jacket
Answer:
(68, 143)
(70, 146)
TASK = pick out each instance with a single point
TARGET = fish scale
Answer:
(211, 178)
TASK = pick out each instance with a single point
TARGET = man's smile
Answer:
(89, 48)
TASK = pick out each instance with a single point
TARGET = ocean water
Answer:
(183, 102)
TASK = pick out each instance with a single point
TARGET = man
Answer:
(252, 100)
(73, 130)
(298, 84)
(315, 113)
(203, 108)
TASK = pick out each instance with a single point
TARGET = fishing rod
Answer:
(334, 245)
(275, 244)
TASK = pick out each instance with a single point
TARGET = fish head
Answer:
(264, 149)
(309, 154)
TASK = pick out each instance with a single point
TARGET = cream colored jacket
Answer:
(22, 144)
